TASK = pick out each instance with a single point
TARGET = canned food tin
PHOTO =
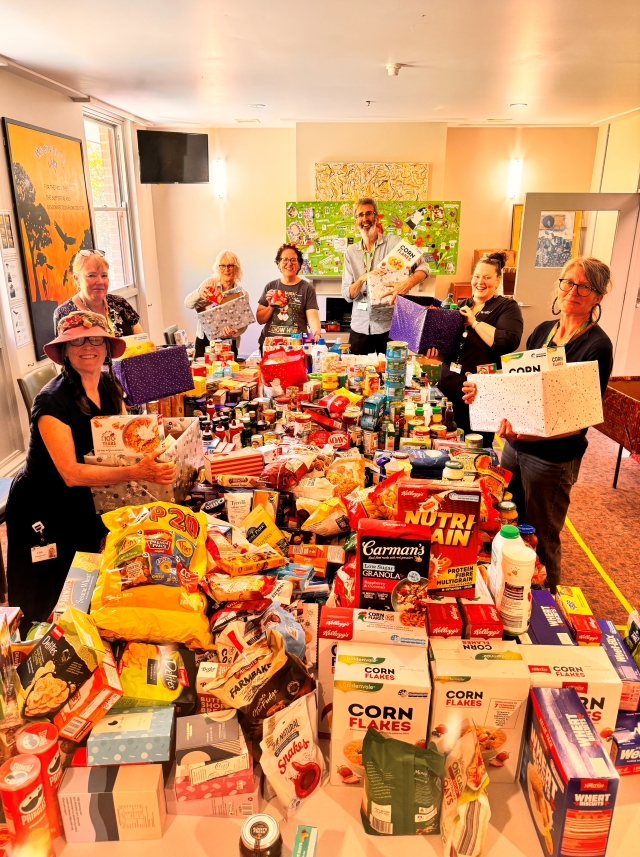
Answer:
(395, 378)
(25, 806)
(369, 442)
(420, 431)
(350, 417)
(283, 404)
(397, 351)
(257, 440)
(394, 391)
(438, 431)
(41, 740)
(474, 441)
(153, 407)
(397, 366)
(356, 435)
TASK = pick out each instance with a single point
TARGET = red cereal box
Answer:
(41, 740)
(25, 807)
(578, 615)
(453, 516)
(481, 621)
(443, 618)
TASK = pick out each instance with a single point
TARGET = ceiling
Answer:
(204, 62)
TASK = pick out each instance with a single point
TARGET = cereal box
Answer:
(625, 744)
(481, 684)
(546, 625)
(383, 688)
(240, 805)
(361, 626)
(453, 516)
(443, 617)
(622, 663)
(567, 777)
(80, 583)
(588, 671)
(539, 360)
(393, 269)
(481, 621)
(578, 615)
(127, 434)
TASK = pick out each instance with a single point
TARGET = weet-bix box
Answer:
(547, 626)
(622, 663)
(567, 777)
(625, 744)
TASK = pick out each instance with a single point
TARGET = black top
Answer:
(292, 318)
(593, 344)
(502, 313)
(122, 315)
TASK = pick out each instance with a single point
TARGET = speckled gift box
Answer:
(132, 735)
(186, 453)
(236, 313)
(160, 373)
(544, 404)
(426, 327)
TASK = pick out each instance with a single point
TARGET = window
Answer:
(109, 191)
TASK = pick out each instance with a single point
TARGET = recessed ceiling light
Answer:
(248, 121)
(257, 105)
(518, 104)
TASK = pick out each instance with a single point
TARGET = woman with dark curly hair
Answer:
(50, 511)
(288, 305)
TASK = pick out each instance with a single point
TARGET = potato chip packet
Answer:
(329, 519)
(153, 676)
(260, 529)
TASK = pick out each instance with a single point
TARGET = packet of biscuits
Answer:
(238, 561)
(465, 805)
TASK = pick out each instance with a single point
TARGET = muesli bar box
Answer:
(622, 663)
(567, 777)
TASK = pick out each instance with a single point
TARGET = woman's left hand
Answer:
(467, 313)
(506, 431)
(229, 332)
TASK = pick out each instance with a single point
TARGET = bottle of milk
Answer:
(507, 533)
(514, 606)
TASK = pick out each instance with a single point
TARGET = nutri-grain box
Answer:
(374, 627)
(453, 516)
(376, 687)
(567, 777)
(623, 664)
(482, 685)
(586, 669)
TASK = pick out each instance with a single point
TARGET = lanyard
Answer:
(554, 330)
(367, 258)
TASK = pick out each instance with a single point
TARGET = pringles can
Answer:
(25, 807)
(41, 740)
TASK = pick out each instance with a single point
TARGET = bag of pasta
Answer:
(147, 589)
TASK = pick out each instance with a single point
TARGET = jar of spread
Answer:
(283, 405)
(508, 513)
(269, 415)
(260, 837)
(453, 470)
(528, 534)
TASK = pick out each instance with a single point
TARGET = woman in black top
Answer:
(545, 469)
(493, 327)
(50, 513)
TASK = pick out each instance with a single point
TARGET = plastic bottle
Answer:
(235, 432)
(507, 533)
(518, 566)
(207, 436)
(316, 353)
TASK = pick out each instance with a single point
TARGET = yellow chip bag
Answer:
(153, 676)
(329, 519)
(260, 529)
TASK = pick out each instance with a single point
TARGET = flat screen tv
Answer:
(169, 157)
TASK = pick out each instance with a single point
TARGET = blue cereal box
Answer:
(132, 735)
(623, 664)
(547, 627)
(569, 782)
(625, 744)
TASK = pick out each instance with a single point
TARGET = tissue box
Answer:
(161, 373)
(240, 805)
(540, 360)
(185, 451)
(543, 404)
(235, 313)
(426, 327)
(98, 806)
(132, 735)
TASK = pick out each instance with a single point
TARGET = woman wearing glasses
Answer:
(91, 274)
(50, 513)
(544, 470)
(493, 327)
(297, 309)
(228, 274)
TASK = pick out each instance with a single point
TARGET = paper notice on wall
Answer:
(13, 279)
(21, 329)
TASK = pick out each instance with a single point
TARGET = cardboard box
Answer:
(80, 583)
(546, 625)
(242, 462)
(240, 805)
(236, 313)
(91, 702)
(394, 268)
(425, 327)
(208, 747)
(543, 404)
(578, 615)
(122, 434)
(443, 617)
(623, 664)
(588, 670)
(539, 360)
(157, 375)
(567, 777)
(132, 735)
(387, 689)
(237, 782)
(129, 806)
(306, 841)
(59, 664)
(481, 621)
(625, 746)
(360, 626)
(481, 683)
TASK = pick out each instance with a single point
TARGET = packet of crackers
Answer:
(385, 496)
(465, 805)
(260, 529)
(236, 561)
(360, 505)
(346, 473)
(250, 587)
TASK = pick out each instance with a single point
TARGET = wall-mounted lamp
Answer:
(515, 178)
(220, 178)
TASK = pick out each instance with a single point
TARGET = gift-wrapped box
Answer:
(242, 462)
(235, 313)
(160, 373)
(426, 327)
(543, 403)
(185, 452)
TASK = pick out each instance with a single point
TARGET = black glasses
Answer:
(362, 214)
(227, 267)
(288, 260)
(583, 289)
(80, 341)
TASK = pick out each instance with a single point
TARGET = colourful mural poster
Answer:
(399, 181)
(324, 229)
(52, 217)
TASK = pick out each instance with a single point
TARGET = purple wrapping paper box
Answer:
(547, 627)
(160, 373)
(426, 327)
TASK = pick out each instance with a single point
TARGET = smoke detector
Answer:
(393, 69)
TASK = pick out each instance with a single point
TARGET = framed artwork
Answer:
(398, 181)
(558, 238)
(516, 226)
(53, 219)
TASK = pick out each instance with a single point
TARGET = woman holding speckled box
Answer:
(545, 469)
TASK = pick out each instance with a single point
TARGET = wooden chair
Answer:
(31, 384)
(169, 334)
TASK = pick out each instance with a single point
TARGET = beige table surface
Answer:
(335, 812)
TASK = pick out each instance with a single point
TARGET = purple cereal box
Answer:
(569, 782)
(625, 744)
(623, 664)
(547, 627)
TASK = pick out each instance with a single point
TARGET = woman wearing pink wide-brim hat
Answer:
(50, 513)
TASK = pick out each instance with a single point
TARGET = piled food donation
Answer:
(336, 590)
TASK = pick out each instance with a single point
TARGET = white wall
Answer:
(192, 225)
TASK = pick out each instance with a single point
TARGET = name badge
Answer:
(363, 306)
(43, 552)
(455, 367)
